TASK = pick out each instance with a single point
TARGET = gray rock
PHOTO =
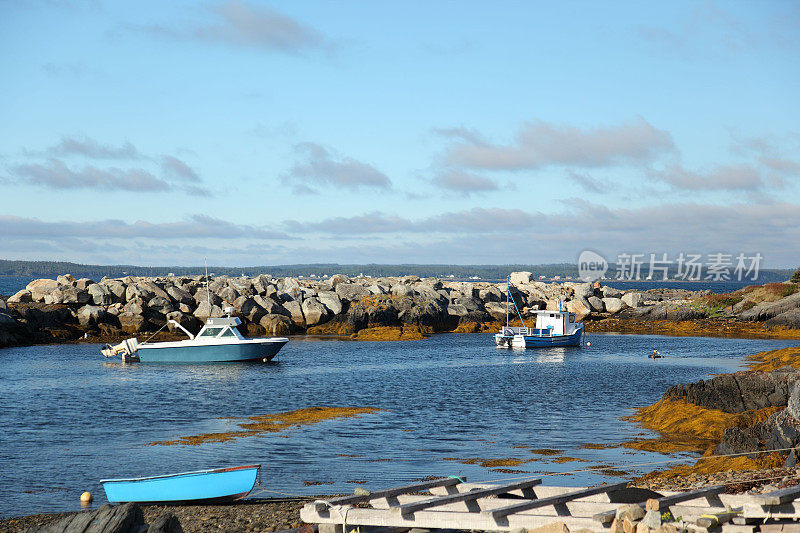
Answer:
(582, 290)
(580, 307)
(767, 310)
(611, 292)
(229, 294)
(596, 304)
(132, 323)
(66, 279)
(296, 312)
(261, 283)
(518, 278)
(613, 305)
(84, 283)
(20, 297)
(90, 315)
(100, 294)
(125, 518)
(793, 404)
(336, 279)
(314, 312)
(351, 292)
(789, 319)
(39, 288)
(165, 524)
(432, 283)
(203, 297)
(187, 321)
(331, 300)
(457, 310)
(401, 289)
(377, 288)
(633, 299)
(204, 311)
(632, 512)
(496, 309)
(180, 295)
(117, 288)
(67, 294)
(492, 294)
(161, 305)
(277, 324)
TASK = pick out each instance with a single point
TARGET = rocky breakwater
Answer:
(367, 308)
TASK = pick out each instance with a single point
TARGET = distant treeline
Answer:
(50, 269)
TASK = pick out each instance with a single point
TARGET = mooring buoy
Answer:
(86, 498)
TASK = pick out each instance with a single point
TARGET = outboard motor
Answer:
(126, 349)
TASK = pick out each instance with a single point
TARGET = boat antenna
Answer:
(208, 291)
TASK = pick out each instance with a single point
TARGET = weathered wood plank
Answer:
(445, 520)
(657, 504)
(554, 500)
(411, 508)
(778, 497)
(388, 493)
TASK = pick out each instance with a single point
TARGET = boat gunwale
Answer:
(210, 342)
(193, 473)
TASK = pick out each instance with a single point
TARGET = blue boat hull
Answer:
(204, 486)
(539, 341)
(212, 353)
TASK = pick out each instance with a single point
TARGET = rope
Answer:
(156, 333)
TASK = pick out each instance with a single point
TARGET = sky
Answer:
(261, 133)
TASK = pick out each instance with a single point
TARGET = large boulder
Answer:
(84, 283)
(457, 310)
(351, 291)
(90, 315)
(277, 324)
(613, 305)
(39, 288)
(401, 289)
(296, 311)
(180, 295)
(336, 279)
(271, 306)
(132, 323)
(633, 299)
(125, 518)
(161, 305)
(519, 278)
(229, 294)
(205, 311)
(117, 288)
(67, 294)
(204, 297)
(261, 283)
(331, 300)
(314, 312)
(579, 306)
(789, 319)
(100, 295)
(610, 292)
(582, 290)
(596, 304)
(496, 310)
(490, 294)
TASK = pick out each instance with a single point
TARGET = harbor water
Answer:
(448, 405)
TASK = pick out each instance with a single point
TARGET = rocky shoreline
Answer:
(393, 308)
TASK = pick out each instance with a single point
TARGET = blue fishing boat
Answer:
(219, 341)
(553, 328)
(202, 486)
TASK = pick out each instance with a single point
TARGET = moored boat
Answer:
(202, 486)
(219, 341)
(553, 328)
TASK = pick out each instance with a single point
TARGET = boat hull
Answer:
(538, 341)
(204, 486)
(210, 353)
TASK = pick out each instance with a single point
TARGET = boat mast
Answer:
(508, 294)
(208, 291)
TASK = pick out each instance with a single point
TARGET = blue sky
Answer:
(252, 133)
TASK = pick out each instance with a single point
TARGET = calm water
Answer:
(69, 418)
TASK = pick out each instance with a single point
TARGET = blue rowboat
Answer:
(203, 486)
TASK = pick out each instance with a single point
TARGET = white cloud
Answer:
(540, 144)
(319, 167)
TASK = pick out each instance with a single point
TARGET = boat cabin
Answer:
(220, 328)
(558, 322)
(548, 323)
